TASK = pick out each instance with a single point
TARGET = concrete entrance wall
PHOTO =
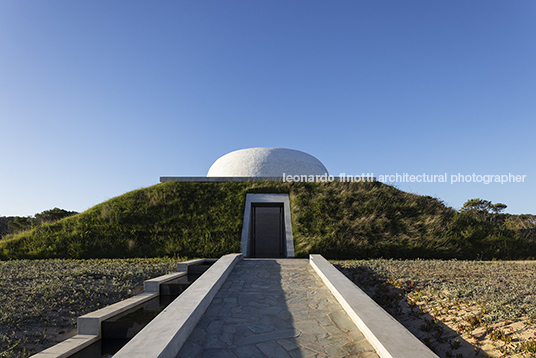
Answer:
(251, 199)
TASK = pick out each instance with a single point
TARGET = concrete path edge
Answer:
(68, 347)
(89, 325)
(388, 337)
(170, 329)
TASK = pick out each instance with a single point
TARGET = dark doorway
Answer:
(267, 233)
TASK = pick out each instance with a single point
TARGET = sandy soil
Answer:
(460, 330)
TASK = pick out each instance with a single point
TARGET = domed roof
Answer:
(266, 162)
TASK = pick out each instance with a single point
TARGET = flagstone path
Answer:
(275, 308)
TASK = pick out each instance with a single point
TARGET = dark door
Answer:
(267, 231)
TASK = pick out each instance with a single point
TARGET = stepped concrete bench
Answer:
(89, 325)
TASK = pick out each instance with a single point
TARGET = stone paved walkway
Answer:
(275, 308)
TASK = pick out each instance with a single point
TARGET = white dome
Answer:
(266, 162)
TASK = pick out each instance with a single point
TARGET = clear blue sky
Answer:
(98, 98)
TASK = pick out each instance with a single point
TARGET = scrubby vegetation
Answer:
(374, 220)
(16, 224)
(338, 220)
(42, 298)
(458, 308)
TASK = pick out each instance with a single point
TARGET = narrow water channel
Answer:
(118, 330)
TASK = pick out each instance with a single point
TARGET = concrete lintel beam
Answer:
(183, 266)
(68, 347)
(153, 285)
(90, 324)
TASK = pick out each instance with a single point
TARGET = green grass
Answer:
(43, 298)
(338, 220)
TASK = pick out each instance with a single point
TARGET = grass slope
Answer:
(338, 220)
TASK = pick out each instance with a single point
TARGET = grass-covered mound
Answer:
(338, 220)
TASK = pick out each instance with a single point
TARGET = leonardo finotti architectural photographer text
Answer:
(410, 178)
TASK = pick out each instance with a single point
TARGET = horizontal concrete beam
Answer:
(68, 347)
(183, 266)
(153, 285)
(386, 334)
(164, 336)
(217, 179)
(345, 178)
(91, 323)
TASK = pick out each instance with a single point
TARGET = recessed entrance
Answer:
(267, 229)
(267, 233)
